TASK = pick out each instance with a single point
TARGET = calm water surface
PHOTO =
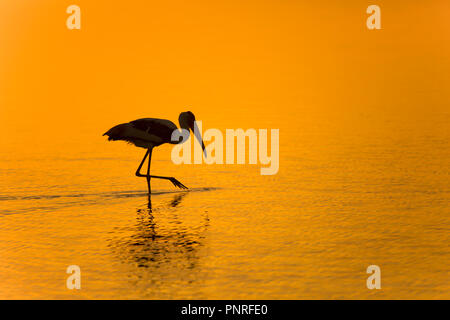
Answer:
(352, 190)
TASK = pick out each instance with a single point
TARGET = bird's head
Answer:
(187, 121)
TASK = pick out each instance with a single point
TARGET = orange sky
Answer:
(338, 92)
(141, 58)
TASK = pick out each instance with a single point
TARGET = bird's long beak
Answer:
(198, 135)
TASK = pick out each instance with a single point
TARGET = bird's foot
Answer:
(177, 183)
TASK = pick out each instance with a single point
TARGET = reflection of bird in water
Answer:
(175, 202)
(149, 133)
(164, 240)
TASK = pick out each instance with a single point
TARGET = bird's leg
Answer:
(148, 171)
(175, 182)
(148, 176)
(138, 173)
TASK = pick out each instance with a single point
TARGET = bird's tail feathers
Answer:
(116, 133)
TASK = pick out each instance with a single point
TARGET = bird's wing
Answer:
(160, 128)
(127, 132)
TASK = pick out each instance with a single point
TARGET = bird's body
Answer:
(151, 132)
(144, 133)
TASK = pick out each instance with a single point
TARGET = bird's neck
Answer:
(184, 126)
(184, 132)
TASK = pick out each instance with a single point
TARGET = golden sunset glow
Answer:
(363, 171)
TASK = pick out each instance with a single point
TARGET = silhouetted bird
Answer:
(149, 133)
